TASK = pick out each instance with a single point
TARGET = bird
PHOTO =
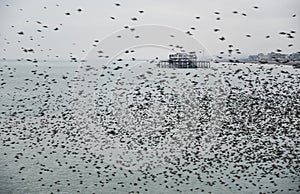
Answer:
(222, 38)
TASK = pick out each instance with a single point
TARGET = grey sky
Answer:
(78, 31)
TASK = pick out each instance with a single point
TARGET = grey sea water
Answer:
(46, 149)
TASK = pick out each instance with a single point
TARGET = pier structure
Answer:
(183, 60)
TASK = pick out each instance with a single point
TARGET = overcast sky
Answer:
(76, 33)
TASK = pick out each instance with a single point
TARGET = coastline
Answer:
(290, 63)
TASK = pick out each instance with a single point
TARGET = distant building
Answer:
(182, 59)
(262, 57)
(294, 56)
(276, 56)
(253, 58)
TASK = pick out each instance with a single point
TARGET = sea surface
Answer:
(131, 127)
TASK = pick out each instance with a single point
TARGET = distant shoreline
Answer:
(277, 63)
(295, 64)
(290, 63)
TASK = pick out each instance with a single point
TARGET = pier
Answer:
(183, 60)
(196, 64)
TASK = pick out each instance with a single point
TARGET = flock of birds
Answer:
(144, 133)
(229, 129)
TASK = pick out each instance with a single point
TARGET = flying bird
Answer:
(222, 38)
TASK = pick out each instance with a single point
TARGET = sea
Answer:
(132, 127)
